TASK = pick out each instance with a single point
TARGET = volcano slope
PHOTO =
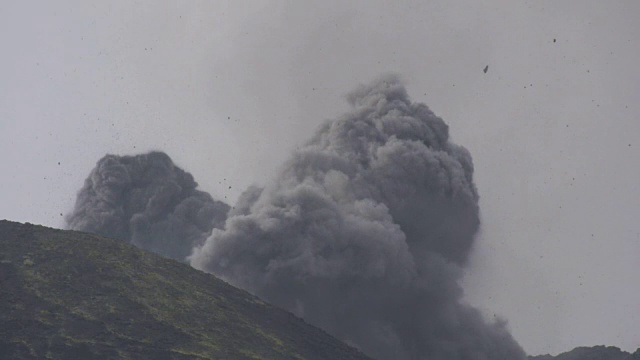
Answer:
(73, 295)
(600, 352)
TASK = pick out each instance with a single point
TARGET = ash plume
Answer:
(148, 201)
(364, 233)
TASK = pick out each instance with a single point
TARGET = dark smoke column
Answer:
(148, 201)
(365, 232)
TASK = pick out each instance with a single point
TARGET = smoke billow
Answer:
(364, 233)
(148, 201)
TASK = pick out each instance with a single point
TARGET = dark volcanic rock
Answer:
(592, 353)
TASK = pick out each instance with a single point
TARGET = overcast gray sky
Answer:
(229, 88)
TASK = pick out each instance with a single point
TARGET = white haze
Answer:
(225, 89)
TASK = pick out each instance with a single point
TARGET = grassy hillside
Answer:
(71, 295)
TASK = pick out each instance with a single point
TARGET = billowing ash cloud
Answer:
(364, 233)
(148, 201)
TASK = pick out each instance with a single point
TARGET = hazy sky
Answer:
(227, 89)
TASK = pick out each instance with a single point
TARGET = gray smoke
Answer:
(364, 233)
(148, 201)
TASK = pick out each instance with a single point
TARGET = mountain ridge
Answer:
(70, 294)
(598, 352)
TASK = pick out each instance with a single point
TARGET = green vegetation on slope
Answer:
(66, 294)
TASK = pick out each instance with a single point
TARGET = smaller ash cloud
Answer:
(147, 201)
